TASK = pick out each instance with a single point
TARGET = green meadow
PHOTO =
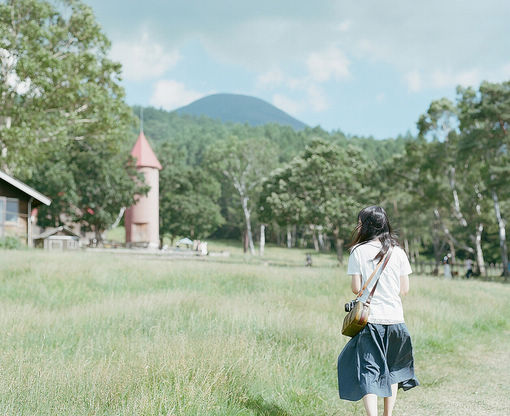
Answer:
(114, 334)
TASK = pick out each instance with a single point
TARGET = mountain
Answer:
(238, 108)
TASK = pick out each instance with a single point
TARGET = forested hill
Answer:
(194, 134)
(242, 109)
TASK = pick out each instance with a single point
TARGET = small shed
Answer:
(60, 239)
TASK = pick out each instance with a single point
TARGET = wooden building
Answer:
(60, 238)
(17, 200)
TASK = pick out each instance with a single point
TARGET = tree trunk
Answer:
(321, 239)
(99, 236)
(451, 244)
(262, 239)
(119, 217)
(249, 236)
(480, 261)
(315, 242)
(340, 250)
(456, 203)
(416, 250)
(502, 236)
(406, 247)
(339, 244)
(437, 250)
(289, 237)
(245, 241)
(327, 243)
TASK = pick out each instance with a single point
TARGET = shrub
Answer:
(10, 243)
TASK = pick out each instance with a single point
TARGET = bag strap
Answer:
(388, 255)
(360, 293)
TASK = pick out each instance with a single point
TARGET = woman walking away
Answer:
(379, 359)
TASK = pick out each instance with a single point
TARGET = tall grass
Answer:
(99, 334)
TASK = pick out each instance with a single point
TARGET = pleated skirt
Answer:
(374, 359)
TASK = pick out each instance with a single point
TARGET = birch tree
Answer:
(243, 164)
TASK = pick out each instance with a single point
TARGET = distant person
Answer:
(379, 359)
(446, 264)
(308, 260)
(469, 268)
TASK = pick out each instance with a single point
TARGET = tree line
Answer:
(234, 174)
(455, 175)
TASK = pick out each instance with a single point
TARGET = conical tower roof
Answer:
(144, 154)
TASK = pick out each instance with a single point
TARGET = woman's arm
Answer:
(356, 283)
(404, 285)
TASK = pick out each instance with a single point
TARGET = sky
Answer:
(366, 67)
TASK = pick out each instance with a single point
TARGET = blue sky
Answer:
(366, 68)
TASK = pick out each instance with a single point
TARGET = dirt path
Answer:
(473, 381)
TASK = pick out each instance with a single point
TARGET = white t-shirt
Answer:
(386, 305)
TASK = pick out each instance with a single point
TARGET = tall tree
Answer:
(89, 182)
(462, 197)
(243, 163)
(322, 188)
(62, 111)
(484, 122)
(188, 196)
(56, 80)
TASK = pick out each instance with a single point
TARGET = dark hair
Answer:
(373, 223)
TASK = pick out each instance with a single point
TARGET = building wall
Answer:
(142, 219)
(19, 228)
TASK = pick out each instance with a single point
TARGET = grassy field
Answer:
(102, 334)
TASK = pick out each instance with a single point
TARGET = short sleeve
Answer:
(353, 267)
(405, 267)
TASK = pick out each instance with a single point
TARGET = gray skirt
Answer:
(374, 359)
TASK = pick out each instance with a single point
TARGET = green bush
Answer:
(10, 243)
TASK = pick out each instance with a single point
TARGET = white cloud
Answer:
(271, 78)
(322, 66)
(170, 94)
(317, 98)
(380, 97)
(448, 78)
(327, 64)
(440, 79)
(144, 58)
(312, 98)
(287, 104)
(427, 35)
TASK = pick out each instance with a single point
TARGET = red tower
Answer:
(142, 219)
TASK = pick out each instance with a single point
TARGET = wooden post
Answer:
(262, 239)
(29, 223)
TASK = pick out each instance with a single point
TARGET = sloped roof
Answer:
(143, 153)
(25, 188)
(53, 231)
